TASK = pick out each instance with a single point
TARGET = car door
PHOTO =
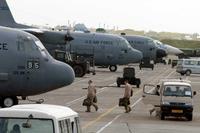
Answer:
(149, 95)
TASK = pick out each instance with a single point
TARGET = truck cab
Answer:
(79, 64)
(39, 118)
(175, 98)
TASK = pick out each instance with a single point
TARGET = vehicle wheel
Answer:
(189, 117)
(118, 85)
(78, 70)
(162, 116)
(9, 101)
(113, 68)
(188, 72)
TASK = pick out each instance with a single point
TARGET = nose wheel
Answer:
(113, 68)
(9, 101)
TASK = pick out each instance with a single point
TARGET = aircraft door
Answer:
(18, 77)
(35, 62)
(27, 52)
(150, 96)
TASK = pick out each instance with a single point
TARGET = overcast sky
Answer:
(158, 15)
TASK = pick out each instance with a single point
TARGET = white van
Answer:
(188, 66)
(39, 118)
(175, 98)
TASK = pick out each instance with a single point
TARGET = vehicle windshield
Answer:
(181, 91)
(180, 62)
(16, 125)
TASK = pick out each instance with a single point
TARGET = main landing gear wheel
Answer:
(9, 101)
(113, 68)
(187, 73)
(79, 72)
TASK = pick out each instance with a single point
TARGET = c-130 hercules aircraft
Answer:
(109, 50)
(26, 68)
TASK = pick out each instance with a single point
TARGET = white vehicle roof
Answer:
(44, 111)
(178, 83)
(196, 59)
(175, 82)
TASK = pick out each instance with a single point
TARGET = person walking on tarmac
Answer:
(91, 96)
(127, 95)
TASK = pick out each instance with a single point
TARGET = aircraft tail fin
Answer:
(6, 17)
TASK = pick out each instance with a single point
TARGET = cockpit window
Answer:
(39, 45)
(25, 44)
(159, 44)
(125, 43)
(150, 42)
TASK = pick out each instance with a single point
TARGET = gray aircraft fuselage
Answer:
(146, 45)
(107, 49)
(26, 68)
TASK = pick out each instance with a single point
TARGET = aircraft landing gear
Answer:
(8, 101)
(113, 68)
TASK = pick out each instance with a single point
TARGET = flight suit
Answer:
(91, 95)
(127, 95)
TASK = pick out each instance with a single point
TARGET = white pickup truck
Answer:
(175, 98)
(39, 118)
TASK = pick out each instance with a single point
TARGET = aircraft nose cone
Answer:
(160, 53)
(63, 74)
(66, 74)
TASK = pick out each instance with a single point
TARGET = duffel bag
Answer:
(95, 99)
(86, 102)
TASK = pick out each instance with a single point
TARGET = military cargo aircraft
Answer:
(170, 50)
(26, 68)
(146, 45)
(150, 51)
(109, 50)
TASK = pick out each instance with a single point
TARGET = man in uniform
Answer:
(127, 95)
(91, 96)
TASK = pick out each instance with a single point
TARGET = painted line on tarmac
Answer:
(195, 82)
(114, 107)
(104, 114)
(100, 117)
(81, 98)
(100, 91)
(109, 123)
(133, 105)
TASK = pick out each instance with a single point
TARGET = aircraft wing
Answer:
(34, 31)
